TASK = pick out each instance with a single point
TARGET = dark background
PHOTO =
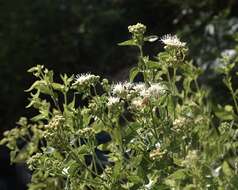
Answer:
(75, 36)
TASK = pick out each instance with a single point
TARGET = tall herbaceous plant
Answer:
(162, 133)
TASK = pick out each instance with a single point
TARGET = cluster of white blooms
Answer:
(125, 89)
(137, 29)
(113, 101)
(137, 103)
(156, 90)
(122, 89)
(85, 79)
(179, 123)
(139, 87)
(172, 41)
(137, 93)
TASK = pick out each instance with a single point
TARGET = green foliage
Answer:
(163, 133)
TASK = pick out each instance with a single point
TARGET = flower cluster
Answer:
(127, 90)
(55, 122)
(172, 41)
(86, 132)
(112, 101)
(137, 103)
(138, 94)
(122, 89)
(137, 29)
(155, 90)
(85, 79)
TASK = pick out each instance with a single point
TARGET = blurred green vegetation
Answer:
(77, 36)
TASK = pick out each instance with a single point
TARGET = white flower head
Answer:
(137, 103)
(179, 122)
(82, 79)
(113, 101)
(144, 93)
(158, 145)
(139, 87)
(216, 172)
(65, 171)
(122, 89)
(155, 90)
(172, 41)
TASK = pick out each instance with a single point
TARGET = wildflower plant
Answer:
(161, 133)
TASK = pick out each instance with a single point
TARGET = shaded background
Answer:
(74, 36)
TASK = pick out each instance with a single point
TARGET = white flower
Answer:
(172, 41)
(137, 103)
(155, 90)
(139, 87)
(118, 88)
(179, 121)
(82, 79)
(158, 145)
(65, 171)
(144, 93)
(216, 172)
(149, 185)
(229, 53)
(112, 101)
(122, 89)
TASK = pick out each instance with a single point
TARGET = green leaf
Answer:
(225, 113)
(57, 86)
(41, 86)
(133, 73)
(131, 42)
(171, 103)
(39, 117)
(176, 176)
(226, 169)
(153, 65)
(37, 68)
(117, 169)
(84, 149)
(179, 174)
(135, 179)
